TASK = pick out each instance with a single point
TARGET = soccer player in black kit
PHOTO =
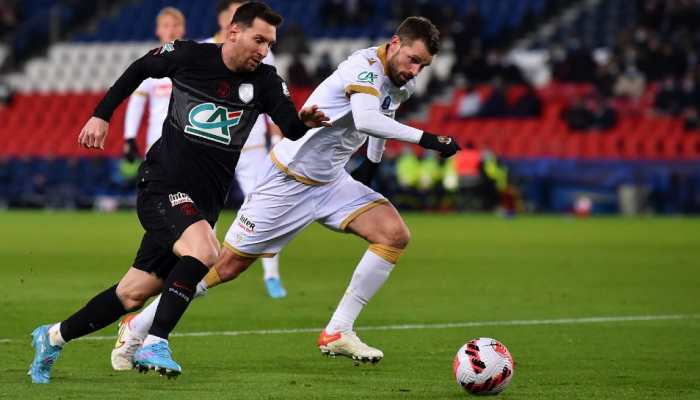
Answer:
(218, 93)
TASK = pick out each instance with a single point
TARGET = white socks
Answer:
(369, 276)
(271, 267)
(55, 338)
(150, 339)
(141, 323)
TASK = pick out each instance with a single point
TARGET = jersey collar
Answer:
(381, 53)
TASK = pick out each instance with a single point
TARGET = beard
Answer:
(394, 75)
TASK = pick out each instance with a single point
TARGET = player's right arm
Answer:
(132, 120)
(159, 63)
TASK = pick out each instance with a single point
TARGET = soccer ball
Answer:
(483, 366)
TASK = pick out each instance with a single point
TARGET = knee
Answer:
(206, 253)
(132, 298)
(397, 236)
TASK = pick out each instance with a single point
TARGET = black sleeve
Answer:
(157, 63)
(278, 105)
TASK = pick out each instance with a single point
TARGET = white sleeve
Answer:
(134, 111)
(368, 119)
(375, 149)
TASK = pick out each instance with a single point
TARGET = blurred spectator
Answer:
(297, 74)
(465, 30)
(293, 41)
(604, 115)
(346, 12)
(496, 105)
(469, 104)
(324, 68)
(692, 122)
(578, 117)
(606, 75)
(8, 16)
(6, 95)
(669, 99)
(630, 84)
(528, 105)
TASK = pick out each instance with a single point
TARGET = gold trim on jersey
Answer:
(296, 177)
(381, 53)
(257, 146)
(353, 215)
(247, 255)
(141, 93)
(350, 89)
(388, 253)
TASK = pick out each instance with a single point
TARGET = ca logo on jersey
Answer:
(212, 122)
(367, 77)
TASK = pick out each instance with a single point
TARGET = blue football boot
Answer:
(158, 357)
(275, 288)
(44, 355)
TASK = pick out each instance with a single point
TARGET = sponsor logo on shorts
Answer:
(246, 224)
(179, 198)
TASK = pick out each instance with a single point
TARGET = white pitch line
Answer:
(447, 325)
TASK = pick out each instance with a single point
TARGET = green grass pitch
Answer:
(458, 268)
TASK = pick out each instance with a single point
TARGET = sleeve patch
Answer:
(367, 77)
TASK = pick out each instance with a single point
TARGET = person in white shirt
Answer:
(170, 25)
(264, 133)
(305, 181)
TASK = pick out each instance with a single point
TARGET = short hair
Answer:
(173, 12)
(223, 5)
(246, 14)
(419, 28)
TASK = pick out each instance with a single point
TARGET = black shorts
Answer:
(164, 216)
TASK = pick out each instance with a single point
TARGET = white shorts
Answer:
(248, 167)
(280, 207)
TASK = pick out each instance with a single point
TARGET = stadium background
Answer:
(570, 105)
(588, 101)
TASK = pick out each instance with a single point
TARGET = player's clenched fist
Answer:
(93, 134)
(313, 117)
(445, 145)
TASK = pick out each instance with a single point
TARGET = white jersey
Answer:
(157, 93)
(256, 139)
(320, 155)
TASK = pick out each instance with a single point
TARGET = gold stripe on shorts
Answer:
(247, 255)
(359, 211)
(296, 177)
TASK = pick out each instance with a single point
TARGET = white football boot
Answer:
(349, 345)
(125, 347)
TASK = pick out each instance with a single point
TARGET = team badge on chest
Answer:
(245, 92)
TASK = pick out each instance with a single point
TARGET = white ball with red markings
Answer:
(483, 366)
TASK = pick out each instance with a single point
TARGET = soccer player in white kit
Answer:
(254, 150)
(305, 181)
(170, 25)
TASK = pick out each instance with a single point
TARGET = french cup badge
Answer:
(245, 92)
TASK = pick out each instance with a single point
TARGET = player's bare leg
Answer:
(198, 249)
(48, 340)
(134, 328)
(388, 235)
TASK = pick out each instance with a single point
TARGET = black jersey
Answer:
(211, 113)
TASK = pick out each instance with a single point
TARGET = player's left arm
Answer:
(368, 119)
(278, 105)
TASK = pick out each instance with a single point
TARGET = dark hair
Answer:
(223, 5)
(246, 14)
(419, 28)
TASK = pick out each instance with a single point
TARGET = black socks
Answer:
(99, 312)
(179, 289)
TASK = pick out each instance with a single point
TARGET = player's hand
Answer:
(446, 145)
(93, 134)
(131, 150)
(313, 117)
(365, 172)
